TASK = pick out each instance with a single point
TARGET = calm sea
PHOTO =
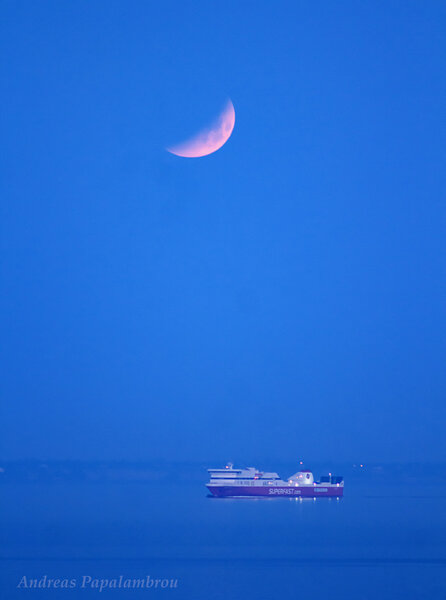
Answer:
(382, 540)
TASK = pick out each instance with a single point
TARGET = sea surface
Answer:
(384, 540)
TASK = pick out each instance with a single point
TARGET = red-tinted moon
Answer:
(209, 140)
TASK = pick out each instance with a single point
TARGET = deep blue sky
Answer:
(284, 297)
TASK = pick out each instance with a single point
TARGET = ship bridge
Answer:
(249, 473)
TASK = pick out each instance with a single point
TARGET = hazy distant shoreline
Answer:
(122, 471)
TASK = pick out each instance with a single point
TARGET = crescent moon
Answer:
(209, 140)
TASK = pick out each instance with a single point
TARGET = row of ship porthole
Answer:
(254, 483)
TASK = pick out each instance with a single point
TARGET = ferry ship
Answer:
(252, 482)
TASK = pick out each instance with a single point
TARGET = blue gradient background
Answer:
(284, 297)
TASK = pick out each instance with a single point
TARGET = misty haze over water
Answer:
(104, 521)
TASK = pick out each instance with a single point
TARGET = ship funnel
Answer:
(302, 478)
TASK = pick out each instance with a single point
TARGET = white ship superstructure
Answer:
(250, 481)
